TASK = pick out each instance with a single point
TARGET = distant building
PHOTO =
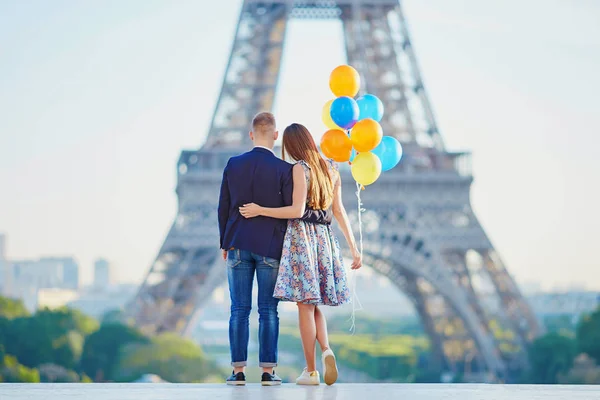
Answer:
(47, 273)
(43, 273)
(69, 272)
(102, 274)
(29, 277)
(2, 247)
(564, 303)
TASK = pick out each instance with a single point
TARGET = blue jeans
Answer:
(241, 266)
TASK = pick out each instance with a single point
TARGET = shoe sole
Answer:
(331, 372)
(234, 383)
(308, 384)
(270, 383)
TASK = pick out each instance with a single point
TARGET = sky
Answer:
(97, 99)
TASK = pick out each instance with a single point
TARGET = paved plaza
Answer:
(292, 392)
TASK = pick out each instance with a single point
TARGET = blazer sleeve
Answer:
(224, 205)
(287, 187)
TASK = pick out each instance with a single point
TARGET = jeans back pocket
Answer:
(271, 262)
(234, 258)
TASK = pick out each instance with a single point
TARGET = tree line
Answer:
(64, 345)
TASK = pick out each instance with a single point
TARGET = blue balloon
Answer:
(389, 152)
(344, 112)
(370, 107)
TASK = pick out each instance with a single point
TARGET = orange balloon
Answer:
(336, 145)
(366, 135)
(344, 81)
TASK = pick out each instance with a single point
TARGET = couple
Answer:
(275, 220)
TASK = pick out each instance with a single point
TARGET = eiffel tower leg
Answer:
(419, 297)
(496, 298)
(457, 304)
(521, 315)
(180, 279)
(252, 73)
(378, 45)
(517, 317)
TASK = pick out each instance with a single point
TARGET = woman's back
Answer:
(334, 175)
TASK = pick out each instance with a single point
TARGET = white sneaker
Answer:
(308, 378)
(330, 371)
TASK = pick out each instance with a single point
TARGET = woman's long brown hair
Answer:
(299, 144)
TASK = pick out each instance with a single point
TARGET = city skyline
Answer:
(96, 121)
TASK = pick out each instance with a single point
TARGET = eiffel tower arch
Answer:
(419, 228)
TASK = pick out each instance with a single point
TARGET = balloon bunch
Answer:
(354, 133)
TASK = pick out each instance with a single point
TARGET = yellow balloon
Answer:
(366, 168)
(326, 116)
(344, 81)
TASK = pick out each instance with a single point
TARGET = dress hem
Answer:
(316, 302)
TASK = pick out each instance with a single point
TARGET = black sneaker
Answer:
(238, 379)
(270, 379)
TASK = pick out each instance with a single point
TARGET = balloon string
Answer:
(355, 299)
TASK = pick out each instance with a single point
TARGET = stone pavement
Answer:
(141, 391)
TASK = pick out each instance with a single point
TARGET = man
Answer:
(255, 245)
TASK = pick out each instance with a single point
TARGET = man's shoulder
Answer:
(258, 157)
(240, 158)
(283, 164)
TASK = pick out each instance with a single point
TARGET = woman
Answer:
(311, 272)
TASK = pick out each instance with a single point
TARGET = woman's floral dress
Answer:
(311, 269)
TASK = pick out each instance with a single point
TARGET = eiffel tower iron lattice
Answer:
(419, 231)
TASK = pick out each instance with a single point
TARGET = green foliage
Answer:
(561, 324)
(427, 376)
(68, 349)
(27, 339)
(67, 319)
(171, 357)
(550, 356)
(68, 346)
(4, 327)
(387, 349)
(101, 349)
(13, 372)
(12, 308)
(115, 316)
(48, 336)
(378, 327)
(588, 335)
(389, 357)
(392, 357)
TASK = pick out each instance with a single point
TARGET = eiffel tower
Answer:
(419, 231)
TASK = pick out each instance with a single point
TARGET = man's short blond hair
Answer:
(263, 123)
